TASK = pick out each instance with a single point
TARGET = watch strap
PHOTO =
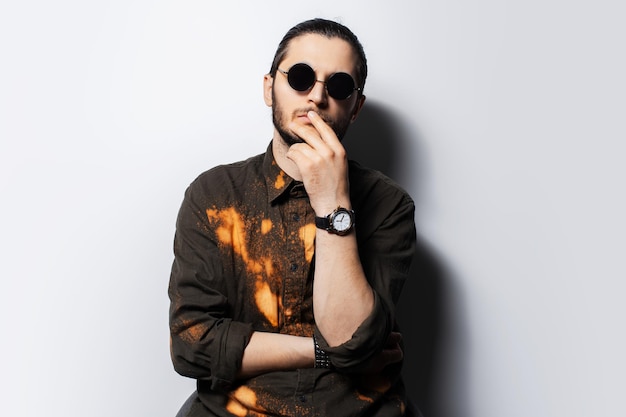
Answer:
(322, 222)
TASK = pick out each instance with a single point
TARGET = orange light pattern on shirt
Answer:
(241, 401)
(280, 181)
(232, 232)
(266, 226)
(267, 302)
(192, 333)
(365, 398)
(307, 236)
(376, 384)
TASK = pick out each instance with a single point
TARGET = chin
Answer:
(288, 138)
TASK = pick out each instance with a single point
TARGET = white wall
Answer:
(513, 115)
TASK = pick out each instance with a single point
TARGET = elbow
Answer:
(339, 326)
(368, 340)
(186, 362)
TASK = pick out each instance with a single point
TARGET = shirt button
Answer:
(294, 267)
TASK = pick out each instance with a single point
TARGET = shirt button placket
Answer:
(293, 257)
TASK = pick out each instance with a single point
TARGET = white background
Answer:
(513, 110)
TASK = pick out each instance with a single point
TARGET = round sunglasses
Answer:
(301, 77)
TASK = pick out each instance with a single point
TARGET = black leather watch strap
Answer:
(322, 222)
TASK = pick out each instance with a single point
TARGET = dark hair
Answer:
(329, 29)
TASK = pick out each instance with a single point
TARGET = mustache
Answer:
(324, 116)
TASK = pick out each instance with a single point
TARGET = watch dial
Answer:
(341, 222)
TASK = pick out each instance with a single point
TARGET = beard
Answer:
(340, 127)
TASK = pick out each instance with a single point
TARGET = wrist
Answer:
(323, 206)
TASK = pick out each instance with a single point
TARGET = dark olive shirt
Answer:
(244, 261)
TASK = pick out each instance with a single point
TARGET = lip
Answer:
(303, 118)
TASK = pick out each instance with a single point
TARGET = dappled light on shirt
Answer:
(241, 401)
(232, 231)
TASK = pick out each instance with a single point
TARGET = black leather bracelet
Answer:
(321, 358)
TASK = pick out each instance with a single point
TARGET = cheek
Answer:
(285, 105)
(283, 92)
(343, 113)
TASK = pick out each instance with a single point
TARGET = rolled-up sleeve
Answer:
(387, 242)
(366, 341)
(206, 343)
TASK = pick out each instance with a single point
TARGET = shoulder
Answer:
(226, 183)
(229, 175)
(371, 186)
(384, 210)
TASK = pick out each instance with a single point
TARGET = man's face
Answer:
(326, 56)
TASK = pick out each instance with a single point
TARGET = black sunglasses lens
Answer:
(301, 77)
(340, 86)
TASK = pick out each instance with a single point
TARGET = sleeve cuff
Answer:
(367, 340)
(229, 348)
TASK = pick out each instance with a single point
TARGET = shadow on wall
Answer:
(427, 310)
(378, 140)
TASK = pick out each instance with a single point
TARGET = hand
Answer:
(322, 162)
(391, 353)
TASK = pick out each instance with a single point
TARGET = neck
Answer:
(280, 148)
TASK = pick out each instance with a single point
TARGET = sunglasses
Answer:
(301, 77)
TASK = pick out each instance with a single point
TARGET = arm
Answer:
(206, 342)
(342, 296)
(356, 285)
(386, 239)
(268, 352)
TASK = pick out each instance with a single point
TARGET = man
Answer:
(288, 265)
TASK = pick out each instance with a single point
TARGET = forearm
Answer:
(342, 297)
(268, 352)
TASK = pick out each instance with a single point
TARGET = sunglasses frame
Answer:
(315, 80)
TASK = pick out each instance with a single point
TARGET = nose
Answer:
(318, 94)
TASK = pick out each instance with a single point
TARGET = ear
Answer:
(357, 107)
(268, 85)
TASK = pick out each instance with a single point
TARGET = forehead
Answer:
(323, 54)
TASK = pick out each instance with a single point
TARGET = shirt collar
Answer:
(277, 181)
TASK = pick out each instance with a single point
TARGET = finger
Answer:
(326, 132)
(308, 133)
(301, 154)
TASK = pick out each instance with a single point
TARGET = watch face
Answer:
(342, 221)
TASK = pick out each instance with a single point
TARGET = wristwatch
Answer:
(339, 222)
